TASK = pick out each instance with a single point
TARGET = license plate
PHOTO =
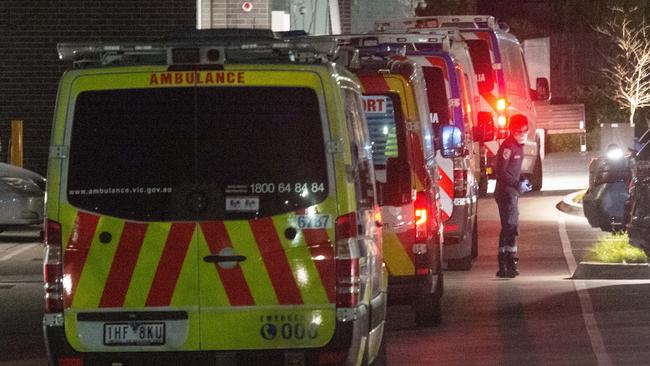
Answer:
(134, 334)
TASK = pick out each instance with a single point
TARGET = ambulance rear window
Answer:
(382, 127)
(482, 62)
(437, 94)
(173, 154)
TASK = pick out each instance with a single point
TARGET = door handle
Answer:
(223, 258)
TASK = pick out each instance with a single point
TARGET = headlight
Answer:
(23, 185)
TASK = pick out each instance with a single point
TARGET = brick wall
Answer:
(29, 65)
(229, 14)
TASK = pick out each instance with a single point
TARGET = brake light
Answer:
(502, 127)
(502, 104)
(53, 268)
(460, 179)
(502, 122)
(347, 261)
(421, 217)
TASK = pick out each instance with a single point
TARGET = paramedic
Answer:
(508, 188)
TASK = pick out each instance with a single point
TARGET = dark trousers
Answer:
(507, 201)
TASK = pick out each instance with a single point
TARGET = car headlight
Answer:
(23, 185)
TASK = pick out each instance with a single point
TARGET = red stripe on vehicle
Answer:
(234, 282)
(444, 216)
(76, 252)
(170, 264)
(373, 83)
(407, 239)
(439, 63)
(490, 99)
(322, 254)
(445, 183)
(127, 254)
(276, 261)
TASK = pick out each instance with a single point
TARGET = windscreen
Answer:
(197, 153)
(437, 94)
(482, 61)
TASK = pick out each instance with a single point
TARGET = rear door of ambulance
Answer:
(189, 218)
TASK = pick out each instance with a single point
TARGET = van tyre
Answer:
(475, 239)
(428, 309)
(538, 176)
(461, 264)
(483, 185)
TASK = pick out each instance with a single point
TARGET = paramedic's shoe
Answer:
(502, 265)
(511, 266)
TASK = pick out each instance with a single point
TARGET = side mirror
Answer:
(397, 189)
(542, 90)
(485, 129)
(451, 141)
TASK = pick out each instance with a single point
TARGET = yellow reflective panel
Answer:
(90, 289)
(147, 264)
(395, 256)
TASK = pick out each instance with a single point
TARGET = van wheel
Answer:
(428, 309)
(475, 239)
(538, 176)
(461, 264)
(483, 186)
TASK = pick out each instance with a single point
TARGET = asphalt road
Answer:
(542, 317)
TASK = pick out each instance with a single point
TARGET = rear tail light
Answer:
(460, 179)
(502, 104)
(502, 127)
(53, 268)
(347, 261)
(421, 216)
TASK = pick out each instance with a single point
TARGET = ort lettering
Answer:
(435, 118)
(374, 105)
(480, 78)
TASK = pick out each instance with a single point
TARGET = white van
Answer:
(502, 80)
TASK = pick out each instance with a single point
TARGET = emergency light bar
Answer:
(197, 52)
(458, 21)
(384, 41)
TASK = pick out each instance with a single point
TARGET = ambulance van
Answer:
(211, 201)
(502, 80)
(407, 181)
(452, 100)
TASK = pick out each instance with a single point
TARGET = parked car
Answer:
(21, 197)
(604, 202)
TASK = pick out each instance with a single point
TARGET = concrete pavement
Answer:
(543, 317)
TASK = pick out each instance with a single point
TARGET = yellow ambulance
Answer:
(211, 201)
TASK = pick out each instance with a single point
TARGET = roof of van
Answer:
(201, 47)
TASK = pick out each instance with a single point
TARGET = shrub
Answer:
(615, 248)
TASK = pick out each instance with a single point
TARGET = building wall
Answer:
(364, 13)
(29, 64)
(229, 14)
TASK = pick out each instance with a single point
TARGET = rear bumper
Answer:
(604, 205)
(405, 289)
(460, 226)
(20, 209)
(338, 351)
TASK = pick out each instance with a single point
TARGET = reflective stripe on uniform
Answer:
(508, 249)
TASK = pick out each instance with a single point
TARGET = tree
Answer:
(628, 68)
